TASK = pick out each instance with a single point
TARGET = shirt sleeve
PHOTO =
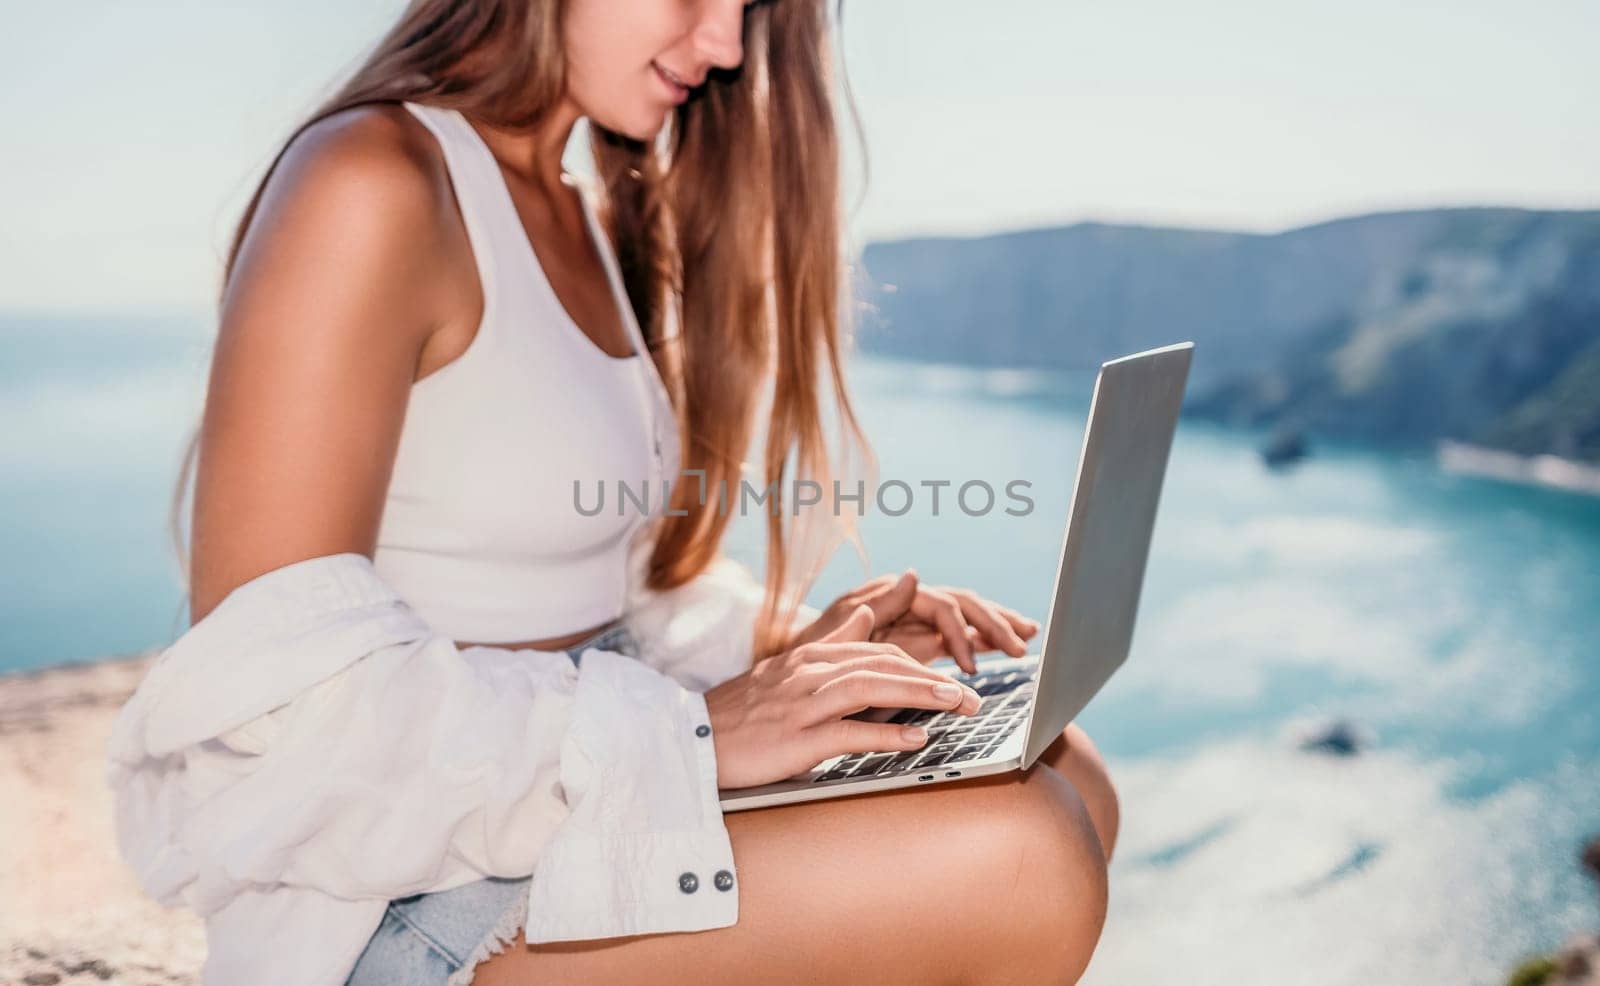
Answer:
(314, 732)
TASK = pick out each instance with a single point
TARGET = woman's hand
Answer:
(929, 622)
(786, 715)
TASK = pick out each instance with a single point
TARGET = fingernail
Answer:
(947, 690)
(914, 734)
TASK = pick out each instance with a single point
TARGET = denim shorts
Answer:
(438, 939)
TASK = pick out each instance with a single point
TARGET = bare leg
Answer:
(1074, 755)
(991, 880)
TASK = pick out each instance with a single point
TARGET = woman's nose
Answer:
(718, 35)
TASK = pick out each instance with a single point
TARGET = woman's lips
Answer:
(677, 91)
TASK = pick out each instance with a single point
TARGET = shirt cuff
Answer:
(645, 849)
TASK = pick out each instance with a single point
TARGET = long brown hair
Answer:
(728, 230)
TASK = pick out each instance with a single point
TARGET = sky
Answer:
(134, 133)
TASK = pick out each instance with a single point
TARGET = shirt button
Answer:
(702, 730)
(723, 880)
(688, 883)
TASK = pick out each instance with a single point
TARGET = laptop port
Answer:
(925, 777)
(952, 773)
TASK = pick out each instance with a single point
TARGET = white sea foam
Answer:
(1248, 862)
(1304, 541)
(1220, 643)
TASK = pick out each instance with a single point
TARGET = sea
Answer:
(1449, 623)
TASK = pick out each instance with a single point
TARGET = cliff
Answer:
(1480, 325)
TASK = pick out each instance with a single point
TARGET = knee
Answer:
(1083, 765)
(1060, 884)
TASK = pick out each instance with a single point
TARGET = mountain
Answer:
(1480, 325)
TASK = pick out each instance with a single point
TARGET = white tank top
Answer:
(480, 531)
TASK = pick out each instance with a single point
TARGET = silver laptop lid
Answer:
(1132, 417)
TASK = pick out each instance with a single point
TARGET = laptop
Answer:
(1028, 701)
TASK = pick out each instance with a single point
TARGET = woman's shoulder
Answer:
(350, 240)
(373, 163)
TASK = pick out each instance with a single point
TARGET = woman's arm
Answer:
(339, 282)
(310, 747)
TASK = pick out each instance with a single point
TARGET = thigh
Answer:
(995, 879)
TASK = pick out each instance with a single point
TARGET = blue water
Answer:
(1453, 618)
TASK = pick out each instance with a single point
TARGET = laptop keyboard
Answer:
(952, 737)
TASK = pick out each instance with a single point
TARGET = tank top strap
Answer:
(479, 189)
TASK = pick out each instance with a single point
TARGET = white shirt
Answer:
(312, 749)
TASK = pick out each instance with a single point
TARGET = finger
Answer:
(922, 642)
(879, 583)
(849, 693)
(894, 601)
(996, 629)
(927, 643)
(896, 661)
(865, 591)
(1025, 627)
(836, 652)
(856, 626)
(980, 643)
(942, 611)
(848, 601)
(829, 739)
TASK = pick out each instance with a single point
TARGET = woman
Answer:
(431, 338)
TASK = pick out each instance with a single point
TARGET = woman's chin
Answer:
(642, 125)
